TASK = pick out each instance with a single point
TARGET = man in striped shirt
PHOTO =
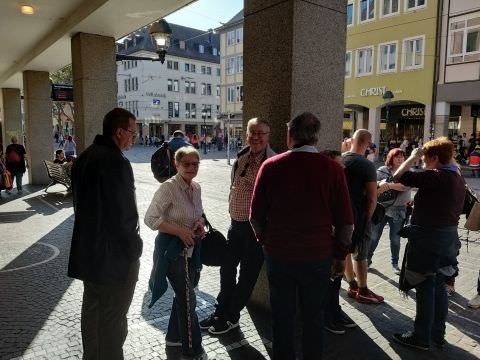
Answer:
(244, 250)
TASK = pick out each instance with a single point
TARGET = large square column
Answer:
(294, 55)
(94, 84)
(11, 116)
(442, 115)
(38, 123)
(294, 61)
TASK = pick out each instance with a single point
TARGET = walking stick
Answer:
(187, 294)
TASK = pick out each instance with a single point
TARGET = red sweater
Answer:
(298, 197)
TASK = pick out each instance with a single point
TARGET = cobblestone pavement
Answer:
(40, 305)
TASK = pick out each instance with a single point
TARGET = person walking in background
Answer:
(176, 212)
(243, 250)
(16, 161)
(300, 252)
(178, 141)
(362, 185)
(106, 244)
(395, 214)
(70, 147)
(430, 255)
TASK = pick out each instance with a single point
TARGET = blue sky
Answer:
(206, 14)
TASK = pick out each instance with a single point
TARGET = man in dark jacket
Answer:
(106, 245)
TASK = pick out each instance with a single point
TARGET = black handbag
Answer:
(214, 247)
(388, 198)
(378, 214)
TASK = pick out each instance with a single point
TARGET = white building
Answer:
(183, 93)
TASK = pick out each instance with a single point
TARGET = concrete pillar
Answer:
(94, 84)
(442, 114)
(374, 115)
(38, 123)
(288, 71)
(426, 124)
(359, 122)
(11, 116)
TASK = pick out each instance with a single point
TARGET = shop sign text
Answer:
(373, 91)
(411, 112)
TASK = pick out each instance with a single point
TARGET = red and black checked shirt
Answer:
(242, 188)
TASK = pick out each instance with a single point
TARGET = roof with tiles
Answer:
(141, 41)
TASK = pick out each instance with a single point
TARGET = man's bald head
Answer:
(362, 137)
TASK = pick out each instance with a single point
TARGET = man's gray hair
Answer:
(257, 121)
(304, 129)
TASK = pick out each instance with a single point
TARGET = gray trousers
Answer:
(104, 317)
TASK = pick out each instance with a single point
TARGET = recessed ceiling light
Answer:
(27, 9)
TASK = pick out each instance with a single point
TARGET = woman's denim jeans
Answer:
(178, 323)
(395, 225)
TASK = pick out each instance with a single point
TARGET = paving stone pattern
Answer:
(40, 305)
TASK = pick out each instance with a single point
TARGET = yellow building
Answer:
(231, 73)
(391, 48)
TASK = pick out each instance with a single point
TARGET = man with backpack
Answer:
(16, 162)
(162, 161)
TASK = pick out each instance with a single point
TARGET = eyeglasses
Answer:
(188, 164)
(257, 133)
(134, 133)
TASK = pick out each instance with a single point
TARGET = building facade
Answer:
(391, 47)
(183, 93)
(458, 90)
(231, 62)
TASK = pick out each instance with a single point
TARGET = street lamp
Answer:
(387, 97)
(160, 33)
(204, 117)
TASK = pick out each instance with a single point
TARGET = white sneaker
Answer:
(474, 303)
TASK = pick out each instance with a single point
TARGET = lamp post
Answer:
(204, 117)
(161, 33)
(229, 116)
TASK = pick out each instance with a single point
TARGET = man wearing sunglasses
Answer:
(243, 246)
(106, 244)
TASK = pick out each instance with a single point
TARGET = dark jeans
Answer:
(333, 308)
(18, 175)
(432, 309)
(246, 251)
(104, 317)
(311, 281)
(395, 226)
(178, 323)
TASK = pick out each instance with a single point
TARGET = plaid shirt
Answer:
(241, 190)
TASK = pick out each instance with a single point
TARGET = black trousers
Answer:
(104, 317)
(246, 251)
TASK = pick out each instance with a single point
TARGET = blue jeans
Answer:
(18, 175)
(178, 323)
(243, 249)
(311, 281)
(432, 309)
(395, 226)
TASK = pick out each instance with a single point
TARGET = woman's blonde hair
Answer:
(440, 147)
(184, 151)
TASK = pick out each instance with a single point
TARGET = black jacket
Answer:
(106, 243)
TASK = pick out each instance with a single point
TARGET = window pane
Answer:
(421, 2)
(394, 6)
(363, 10)
(473, 41)
(371, 9)
(456, 42)
(369, 60)
(393, 56)
(386, 7)
(418, 52)
(349, 14)
(411, 4)
(473, 22)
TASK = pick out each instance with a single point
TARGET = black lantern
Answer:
(161, 33)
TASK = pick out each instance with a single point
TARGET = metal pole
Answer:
(228, 139)
(204, 133)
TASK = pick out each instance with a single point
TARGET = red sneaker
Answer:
(352, 292)
(369, 298)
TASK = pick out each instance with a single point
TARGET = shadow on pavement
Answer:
(40, 271)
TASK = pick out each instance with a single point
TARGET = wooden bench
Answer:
(58, 174)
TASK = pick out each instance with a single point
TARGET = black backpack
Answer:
(162, 163)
